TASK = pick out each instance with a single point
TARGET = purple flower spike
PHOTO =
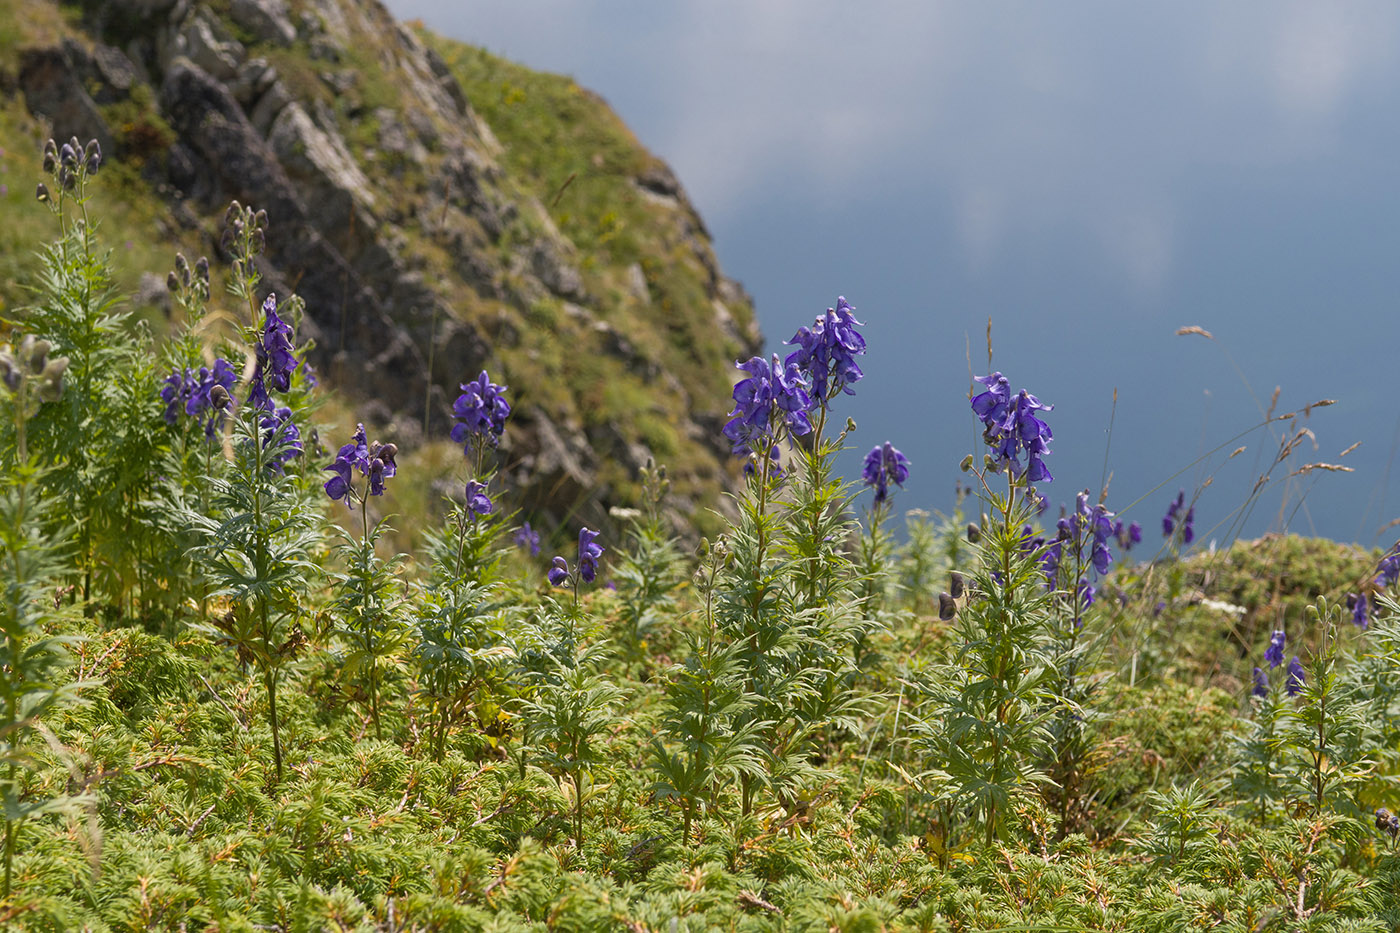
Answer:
(1274, 653)
(478, 503)
(1010, 427)
(883, 465)
(1261, 683)
(1360, 617)
(1297, 677)
(775, 393)
(1179, 514)
(588, 554)
(826, 353)
(376, 462)
(559, 572)
(280, 430)
(481, 410)
(528, 538)
(274, 349)
(1389, 567)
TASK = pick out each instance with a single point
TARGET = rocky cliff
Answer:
(440, 210)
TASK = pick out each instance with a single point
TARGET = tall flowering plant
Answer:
(260, 530)
(985, 721)
(367, 615)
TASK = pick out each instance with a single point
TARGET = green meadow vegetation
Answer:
(230, 699)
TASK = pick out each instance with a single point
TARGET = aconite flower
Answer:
(559, 572)
(528, 538)
(588, 553)
(1178, 512)
(1389, 567)
(1011, 429)
(1261, 683)
(774, 393)
(478, 503)
(826, 353)
(1274, 653)
(376, 462)
(1296, 677)
(884, 465)
(481, 411)
(1356, 602)
(274, 348)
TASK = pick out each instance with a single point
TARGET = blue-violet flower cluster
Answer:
(1274, 653)
(826, 353)
(376, 462)
(1178, 512)
(191, 392)
(481, 411)
(774, 392)
(1011, 428)
(884, 465)
(588, 553)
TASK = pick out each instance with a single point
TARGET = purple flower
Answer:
(274, 348)
(199, 405)
(826, 353)
(1296, 677)
(528, 538)
(1086, 596)
(1356, 602)
(376, 462)
(481, 410)
(1186, 519)
(1389, 567)
(883, 465)
(1274, 653)
(1127, 536)
(478, 503)
(1261, 683)
(280, 432)
(559, 572)
(1011, 428)
(175, 392)
(588, 554)
(774, 393)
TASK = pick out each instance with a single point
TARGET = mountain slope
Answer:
(440, 210)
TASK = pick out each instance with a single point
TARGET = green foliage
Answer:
(796, 739)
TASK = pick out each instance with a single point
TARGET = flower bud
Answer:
(37, 353)
(260, 220)
(974, 534)
(93, 156)
(947, 607)
(219, 397)
(704, 550)
(67, 178)
(988, 463)
(172, 283)
(1382, 818)
(10, 372)
(51, 379)
(388, 452)
(966, 464)
(956, 584)
(41, 193)
(259, 241)
(230, 215)
(201, 269)
(67, 156)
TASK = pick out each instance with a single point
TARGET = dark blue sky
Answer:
(1092, 176)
